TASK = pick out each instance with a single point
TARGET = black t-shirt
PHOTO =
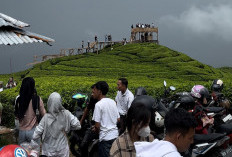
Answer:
(91, 103)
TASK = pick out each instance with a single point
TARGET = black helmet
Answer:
(140, 91)
(186, 102)
(148, 101)
(217, 85)
(151, 104)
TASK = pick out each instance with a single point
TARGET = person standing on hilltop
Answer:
(29, 108)
(95, 38)
(82, 44)
(123, 99)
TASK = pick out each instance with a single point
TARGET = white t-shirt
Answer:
(156, 148)
(124, 101)
(1, 89)
(106, 113)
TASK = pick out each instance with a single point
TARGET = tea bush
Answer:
(145, 64)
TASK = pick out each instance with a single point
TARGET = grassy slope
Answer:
(143, 64)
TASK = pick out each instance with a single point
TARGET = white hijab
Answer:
(57, 118)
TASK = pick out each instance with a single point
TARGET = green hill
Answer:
(146, 65)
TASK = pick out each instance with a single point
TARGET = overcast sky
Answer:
(201, 29)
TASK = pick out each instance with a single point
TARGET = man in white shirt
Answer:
(106, 117)
(180, 129)
(123, 99)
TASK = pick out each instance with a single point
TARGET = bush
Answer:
(145, 64)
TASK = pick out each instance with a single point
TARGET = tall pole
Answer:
(10, 67)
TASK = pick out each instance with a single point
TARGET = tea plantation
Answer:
(146, 65)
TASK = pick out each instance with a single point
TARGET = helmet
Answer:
(217, 85)
(151, 105)
(148, 101)
(200, 92)
(186, 102)
(13, 151)
(140, 91)
(159, 120)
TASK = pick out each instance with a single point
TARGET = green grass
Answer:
(144, 64)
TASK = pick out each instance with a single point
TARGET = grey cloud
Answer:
(212, 19)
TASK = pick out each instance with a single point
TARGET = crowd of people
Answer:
(123, 126)
(141, 25)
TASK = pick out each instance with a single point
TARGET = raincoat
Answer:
(53, 128)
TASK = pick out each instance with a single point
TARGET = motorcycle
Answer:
(77, 137)
(163, 106)
(213, 145)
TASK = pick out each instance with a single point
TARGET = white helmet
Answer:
(159, 120)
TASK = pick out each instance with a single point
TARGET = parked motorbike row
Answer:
(213, 134)
(215, 140)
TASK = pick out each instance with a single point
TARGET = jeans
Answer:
(104, 148)
(25, 135)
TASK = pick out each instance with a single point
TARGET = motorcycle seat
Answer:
(213, 109)
(202, 138)
(225, 128)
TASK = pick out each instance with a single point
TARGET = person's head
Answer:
(11, 79)
(54, 103)
(122, 84)
(99, 89)
(180, 128)
(137, 120)
(217, 85)
(1, 84)
(200, 93)
(26, 92)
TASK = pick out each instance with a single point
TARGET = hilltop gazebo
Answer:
(144, 34)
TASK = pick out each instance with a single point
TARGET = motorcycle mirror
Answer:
(165, 83)
(172, 88)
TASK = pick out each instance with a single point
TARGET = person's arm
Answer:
(41, 107)
(74, 122)
(130, 100)
(86, 111)
(7, 85)
(38, 133)
(97, 127)
(39, 129)
(97, 118)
